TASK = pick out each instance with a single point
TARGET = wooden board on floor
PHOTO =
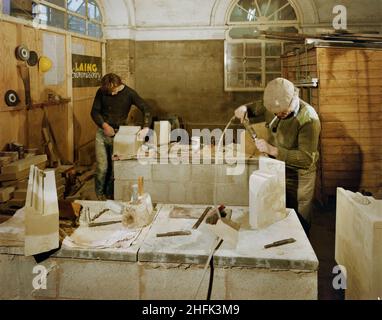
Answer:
(6, 193)
(24, 164)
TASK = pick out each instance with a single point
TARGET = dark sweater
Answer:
(114, 110)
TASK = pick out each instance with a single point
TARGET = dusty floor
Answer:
(322, 238)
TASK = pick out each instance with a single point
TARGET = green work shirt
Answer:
(296, 137)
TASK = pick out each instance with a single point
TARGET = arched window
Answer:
(80, 16)
(251, 61)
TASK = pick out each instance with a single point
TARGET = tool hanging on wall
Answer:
(11, 98)
(33, 59)
(24, 74)
(22, 53)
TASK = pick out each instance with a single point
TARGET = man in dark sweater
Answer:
(110, 110)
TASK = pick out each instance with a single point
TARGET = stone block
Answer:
(123, 189)
(131, 170)
(359, 244)
(177, 282)
(81, 279)
(203, 173)
(177, 193)
(171, 172)
(232, 194)
(263, 284)
(200, 193)
(159, 191)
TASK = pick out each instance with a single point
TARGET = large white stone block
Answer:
(359, 243)
(126, 144)
(162, 131)
(267, 198)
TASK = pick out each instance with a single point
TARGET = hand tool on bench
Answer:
(174, 234)
(201, 218)
(280, 243)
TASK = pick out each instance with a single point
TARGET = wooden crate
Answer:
(349, 103)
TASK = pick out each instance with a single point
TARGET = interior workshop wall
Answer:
(172, 51)
(17, 124)
(84, 127)
(185, 78)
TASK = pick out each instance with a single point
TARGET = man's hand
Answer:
(108, 130)
(265, 147)
(143, 133)
(241, 113)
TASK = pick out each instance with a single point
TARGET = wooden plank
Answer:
(352, 125)
(351, 158)
(350, 117)
(20, 194)
(350, 66)
(355, 91)
(24, 164)
(342, 132)
(18, 175)
(353, 54)
(364, 184)
(6, 193)
(19, 203)
(351, 100)
(349, 166)
(348, 83)
(347, 141)
(352, 74)
(353, 106)
(351, 149)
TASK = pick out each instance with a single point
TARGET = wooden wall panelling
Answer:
(69, 93)
(84, 127)
(349, 102)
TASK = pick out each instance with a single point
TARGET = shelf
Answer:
(35, 105)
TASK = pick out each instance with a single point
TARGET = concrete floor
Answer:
(322, 238)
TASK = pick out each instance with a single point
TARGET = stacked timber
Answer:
(14, 176)
(349, 102)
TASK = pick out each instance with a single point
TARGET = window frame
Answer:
(261, 25)
(35, 20)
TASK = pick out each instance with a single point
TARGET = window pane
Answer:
(245, 10)
(76, 24)
(273, 65)
(270, 77)
(273, 49)
(253, 81)
(94, 30)
(18, 8)
(244, 33)
(235, 65)
(253, 50)
(77, 6)
(235, 80)
(253, 65)
(235, 50)
(93, 11)
(60, 3)
(50, 16)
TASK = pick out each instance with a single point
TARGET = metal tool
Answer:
(174, 234)
(105, 223)
(22, 53)
(11, 98)
(280, 243)
(201, 218)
